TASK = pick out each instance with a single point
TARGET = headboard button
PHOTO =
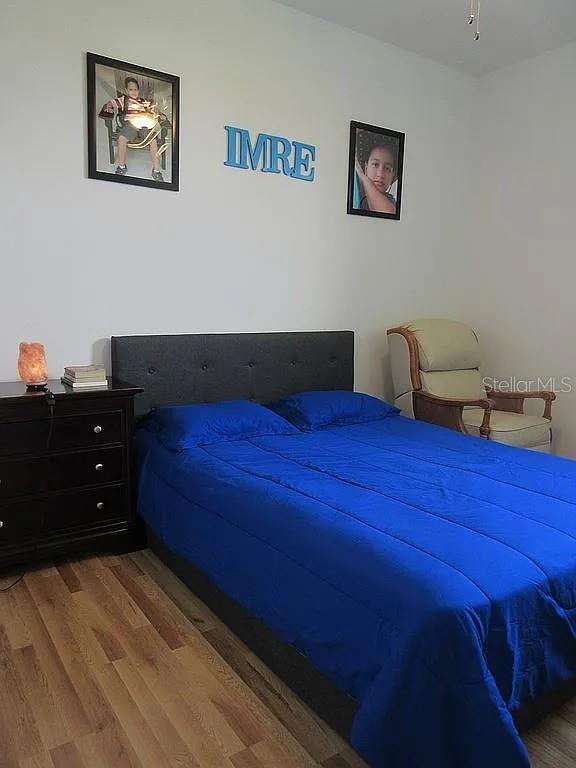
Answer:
(293, 363)
(204, 367)
(251, 364)
(152, 370)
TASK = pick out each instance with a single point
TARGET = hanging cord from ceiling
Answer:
(474, 17)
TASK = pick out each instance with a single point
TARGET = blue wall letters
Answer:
(270, 154)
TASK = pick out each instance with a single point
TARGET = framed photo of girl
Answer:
(133, 124)
(375, 171)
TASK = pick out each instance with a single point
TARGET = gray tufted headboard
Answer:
(196, 368)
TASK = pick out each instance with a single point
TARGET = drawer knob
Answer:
(100, 505)
(97, 429)
(99, 467)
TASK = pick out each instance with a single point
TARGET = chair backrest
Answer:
(441, 357)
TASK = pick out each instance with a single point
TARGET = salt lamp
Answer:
(32, 367)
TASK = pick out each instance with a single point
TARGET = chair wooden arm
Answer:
(513, 402)
(447, 412)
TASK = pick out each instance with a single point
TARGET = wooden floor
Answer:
(110, 662)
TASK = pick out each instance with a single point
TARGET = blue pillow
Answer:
(186, 426)
(312, 410)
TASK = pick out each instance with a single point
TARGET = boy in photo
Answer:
(376, 177)
(140, 126)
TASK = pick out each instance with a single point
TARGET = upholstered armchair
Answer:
(436, 376)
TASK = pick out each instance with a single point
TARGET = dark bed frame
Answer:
(195, 368)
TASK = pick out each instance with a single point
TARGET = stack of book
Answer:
(85, 376)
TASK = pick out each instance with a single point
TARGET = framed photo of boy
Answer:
(133, 124)
(375, 171)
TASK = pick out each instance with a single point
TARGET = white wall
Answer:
(233, 251)
(517, 272)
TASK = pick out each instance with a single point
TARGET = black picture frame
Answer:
(393, 139)
(170, 135)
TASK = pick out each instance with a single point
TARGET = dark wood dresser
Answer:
(65, 479)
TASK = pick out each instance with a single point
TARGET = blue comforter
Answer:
(430, 575)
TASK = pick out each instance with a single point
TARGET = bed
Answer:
(416, 586)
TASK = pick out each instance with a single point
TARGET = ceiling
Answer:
(511, 29)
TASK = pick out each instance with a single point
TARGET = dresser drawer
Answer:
(25, 477)
(22, 477)
(22, 521)
(19, 522)
(87, 430)
(18, 437)
(70, 470)
(83, 431)
(70, 511)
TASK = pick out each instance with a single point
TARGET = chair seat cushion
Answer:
(515, 429)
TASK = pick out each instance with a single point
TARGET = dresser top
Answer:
(16, 390)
